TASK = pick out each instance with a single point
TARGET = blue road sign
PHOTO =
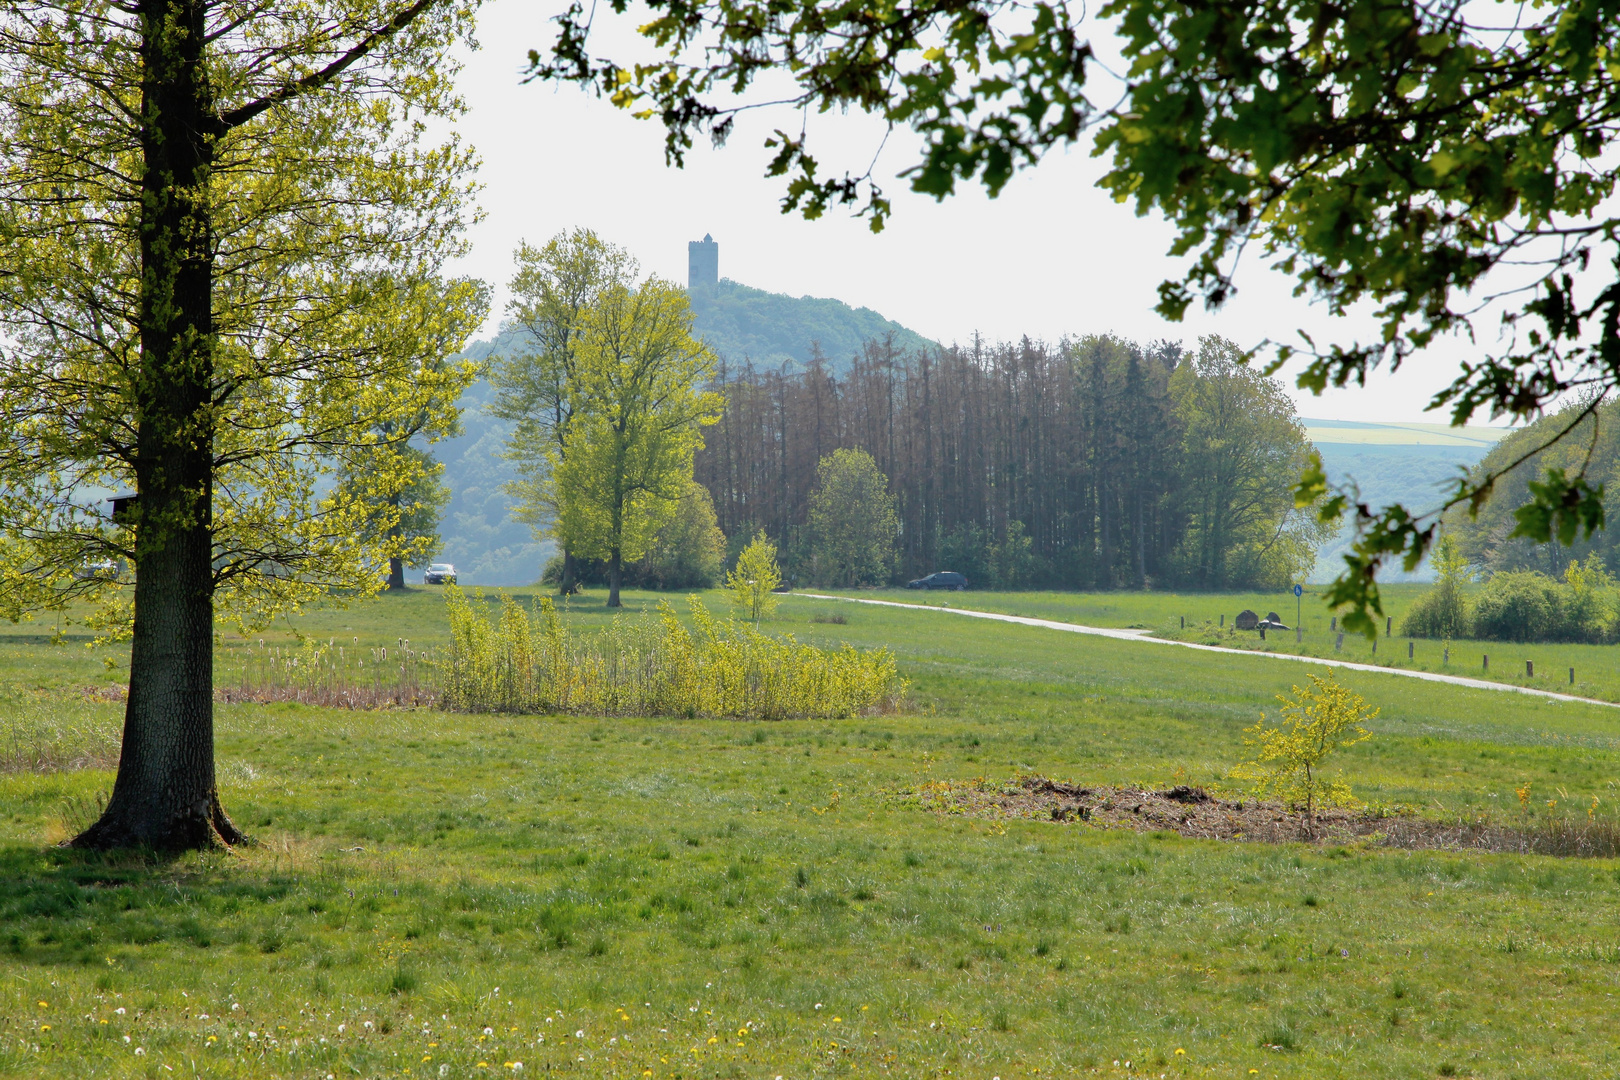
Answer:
(1298, 589)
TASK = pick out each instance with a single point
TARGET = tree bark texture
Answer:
(165, 796)
(396, 574)
(570, 575)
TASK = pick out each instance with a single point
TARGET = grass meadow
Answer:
(1197, 617)
(439, 895)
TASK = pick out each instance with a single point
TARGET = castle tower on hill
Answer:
(702, 262)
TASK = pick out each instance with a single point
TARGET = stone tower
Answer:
(702, 262)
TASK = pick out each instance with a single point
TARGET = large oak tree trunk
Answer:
(165, 795)
(396, 574)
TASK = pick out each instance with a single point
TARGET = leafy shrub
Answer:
(1319, 719)
(1442, 611)
(654, 666)
(1521, 605)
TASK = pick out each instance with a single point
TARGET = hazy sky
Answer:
(1052, 255)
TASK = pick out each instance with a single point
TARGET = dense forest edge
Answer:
(1013, 533)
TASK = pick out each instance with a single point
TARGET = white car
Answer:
(440, 573)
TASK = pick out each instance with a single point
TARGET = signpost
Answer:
(1299, 605)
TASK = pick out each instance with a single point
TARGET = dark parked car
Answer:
(440, 573)
(945, 579)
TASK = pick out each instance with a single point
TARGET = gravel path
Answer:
(1144, 636)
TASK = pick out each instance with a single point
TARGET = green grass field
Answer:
(1596, 667)
(443, 895)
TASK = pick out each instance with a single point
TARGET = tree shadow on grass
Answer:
(60, 906)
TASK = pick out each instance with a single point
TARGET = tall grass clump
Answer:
(527, 661)
(36, 736)
(335, 676)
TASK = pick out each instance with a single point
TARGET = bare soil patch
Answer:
(1197, 813)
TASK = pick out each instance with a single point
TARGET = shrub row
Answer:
(1522, 606)
(528, 661)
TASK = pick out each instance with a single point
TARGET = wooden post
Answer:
(1223, 618)
(1409, 650)
(1338, 643)
(1375, 644)
(1389, 623)
(1487, 661)
(1572, 676)
(1184, 622)
(1529, 669)
(1446, 657)
(1334, 625)
(1262, 633)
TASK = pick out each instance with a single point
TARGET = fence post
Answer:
(1487, 661)
(1409, 650)
(1529, 669)
(1338, 643)
(1389, 623)
(1262, 633)
(1184, 622)
(1223, 618)
(1446, 656)
(1375, 644)
(1572, 676)
(1334, 625)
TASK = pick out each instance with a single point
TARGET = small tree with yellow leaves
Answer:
(755, 578)
(1318, 719)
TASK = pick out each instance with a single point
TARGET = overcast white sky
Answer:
(1052, 255)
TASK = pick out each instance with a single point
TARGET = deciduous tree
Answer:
(553, 288)
(635, 414)
(222, 231)
(754, 579)
(404, 518)
(852, 521)
(1242, 451)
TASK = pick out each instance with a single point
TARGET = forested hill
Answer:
(771, 329)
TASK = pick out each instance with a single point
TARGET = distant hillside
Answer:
(1405, 463)
(771, 329)
(480, 537)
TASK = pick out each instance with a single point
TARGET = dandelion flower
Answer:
(44, 1004)
(840, 1020)
(140, 1050)
(580, 1034)
(818, 1004)
(1180, 1051)
(489, 1031)
(44, 1027)
(341, 1027)
(119, 1010)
